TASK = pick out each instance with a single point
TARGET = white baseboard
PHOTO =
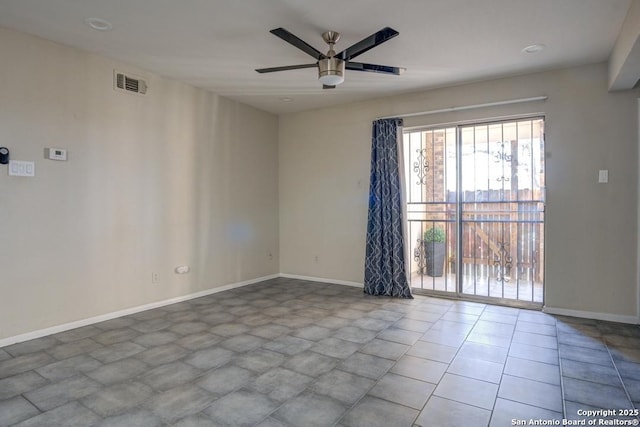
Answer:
(609, 317)
(96, 319)
(320, 279)
(103, 317)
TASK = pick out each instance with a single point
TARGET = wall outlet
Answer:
(155, 278)
(182, 269)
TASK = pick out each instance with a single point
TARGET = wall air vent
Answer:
(129, 83)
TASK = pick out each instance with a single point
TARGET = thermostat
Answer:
(57, 154)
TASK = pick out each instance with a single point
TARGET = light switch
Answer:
(603, 176)
(22, 168)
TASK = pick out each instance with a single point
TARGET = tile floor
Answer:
(292, 353)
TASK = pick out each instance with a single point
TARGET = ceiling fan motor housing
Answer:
(331, 71)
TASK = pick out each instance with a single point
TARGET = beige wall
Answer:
(591, 234)
(179, 176)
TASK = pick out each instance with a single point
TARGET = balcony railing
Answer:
(501, 248)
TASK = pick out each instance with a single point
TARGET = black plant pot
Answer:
(434, 257)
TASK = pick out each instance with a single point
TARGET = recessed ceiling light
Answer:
(286, 99)
(98, 24)
(534, 48)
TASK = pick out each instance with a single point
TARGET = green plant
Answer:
(435, 234)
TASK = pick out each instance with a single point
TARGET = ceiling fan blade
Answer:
(285, 68)
(328, 86)
(374, 68)
(297, 42)
(368, 43)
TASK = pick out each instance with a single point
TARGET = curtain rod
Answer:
(468, 107)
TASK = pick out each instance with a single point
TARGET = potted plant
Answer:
(434, 250)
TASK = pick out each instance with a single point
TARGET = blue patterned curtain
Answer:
(384, 270)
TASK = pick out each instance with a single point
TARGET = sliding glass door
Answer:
(475, 204)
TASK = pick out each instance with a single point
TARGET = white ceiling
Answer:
(217, 44)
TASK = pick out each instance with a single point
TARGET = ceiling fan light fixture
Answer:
(331, 66)
(331, 71)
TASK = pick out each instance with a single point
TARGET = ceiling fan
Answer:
(331, 66)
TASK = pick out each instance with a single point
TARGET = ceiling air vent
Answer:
(129, 83)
